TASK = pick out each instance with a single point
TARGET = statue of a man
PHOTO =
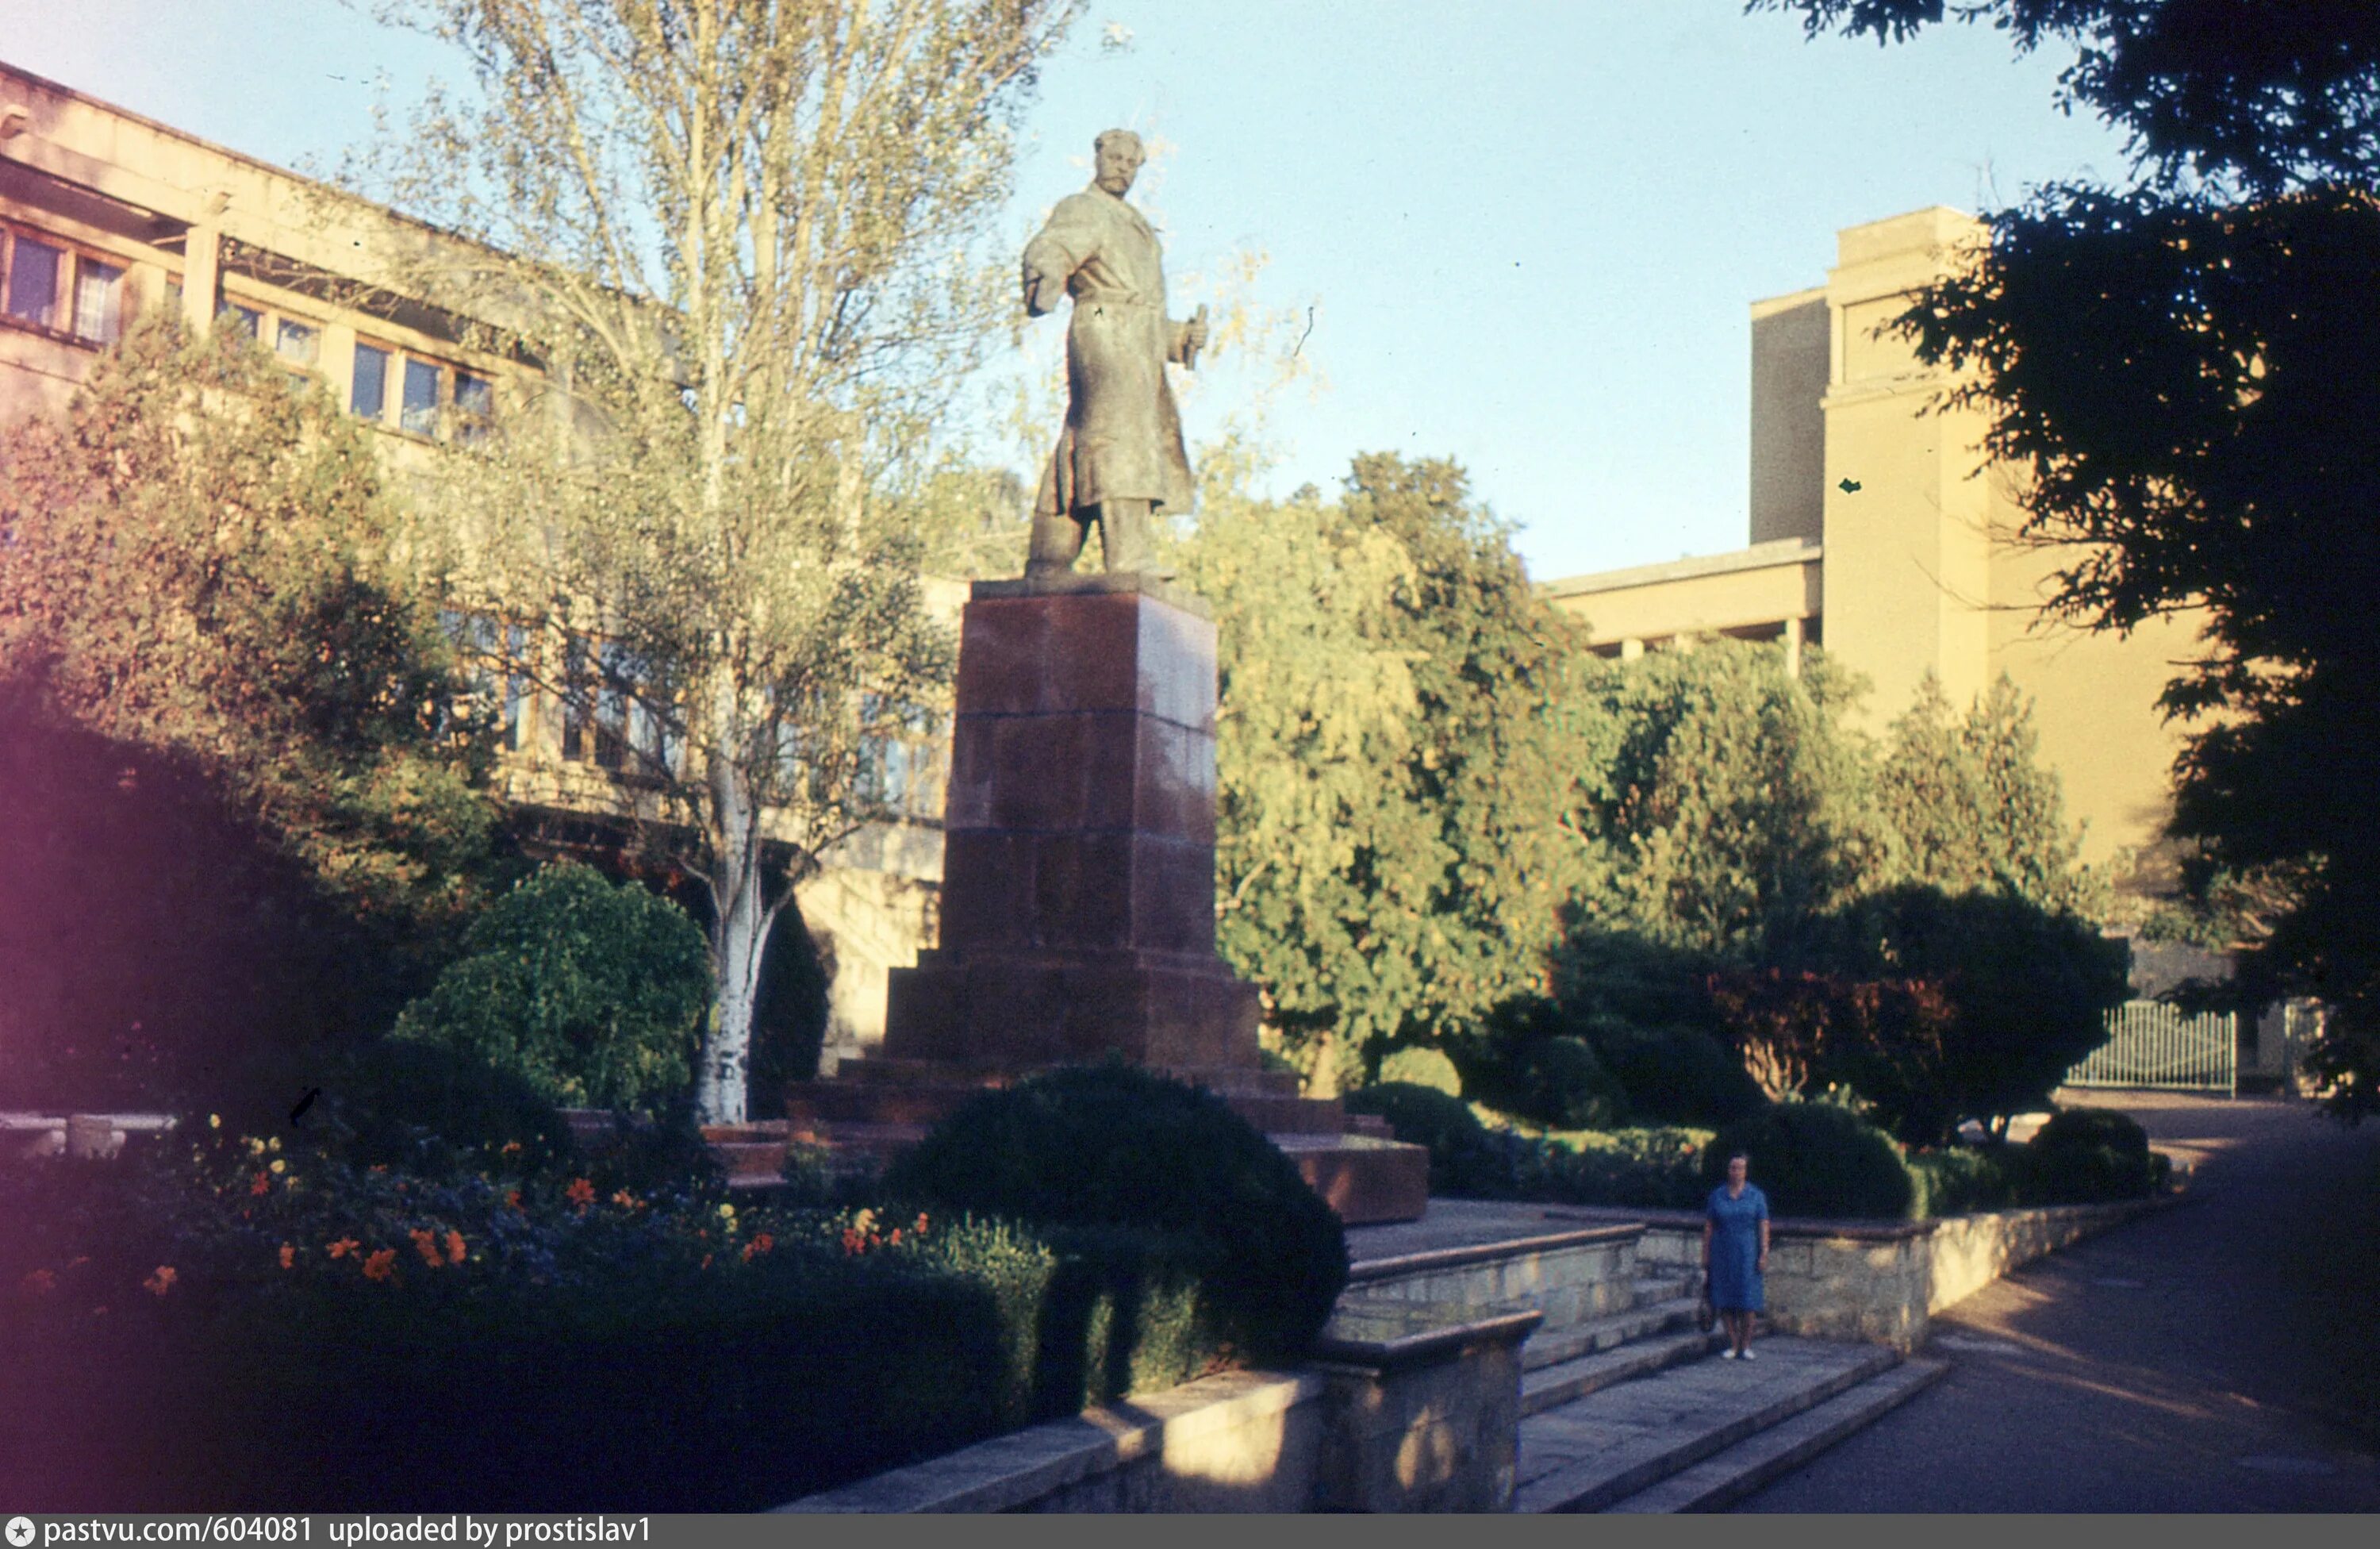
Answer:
(1119, 458)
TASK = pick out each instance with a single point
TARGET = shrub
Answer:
(430, 1109)
(1527, 1060)
(1112, 1145)
(2085, 1156)
(591, 993)
(526, 1320)
(1816, 1159)
(1422, 1068)
(1676, 1075)
(1960, 1179)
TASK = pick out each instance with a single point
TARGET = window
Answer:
(900, 758)
(369, 395)
(614, 708)
(298, 343)
(475, 408)
(493, 656)
(419, 413)
(248, 320)
(33, 281)
(98, 296)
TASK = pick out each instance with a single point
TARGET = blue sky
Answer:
(1529, 232)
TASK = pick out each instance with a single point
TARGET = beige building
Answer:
(106, 214)
(1878, 532)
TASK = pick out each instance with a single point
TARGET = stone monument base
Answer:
(1078, 894)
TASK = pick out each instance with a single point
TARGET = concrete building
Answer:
(106, 214)
(1879, 531)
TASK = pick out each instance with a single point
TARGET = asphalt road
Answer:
(2222, 1355)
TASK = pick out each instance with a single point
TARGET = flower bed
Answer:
(231, 1324)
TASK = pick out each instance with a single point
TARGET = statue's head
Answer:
(1115, 158)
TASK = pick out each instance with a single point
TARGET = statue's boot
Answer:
(1056, 542)
(1127, 542)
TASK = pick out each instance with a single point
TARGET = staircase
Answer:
(1624, 1404)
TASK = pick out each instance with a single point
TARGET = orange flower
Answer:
(289, 1256)
(706, 1261)
(426, 1244)
(39, 1282)
(161, 1282)
(758, 1246)
(381, 1265)
(512, 1198)
(79, 1260)
(454, 1246)
(380, 1166)
(343, 1247)
(895, 1241)
(511, 1148)
(581, 1193)
(921, 1225)
(624, 1199)
(264, 1183)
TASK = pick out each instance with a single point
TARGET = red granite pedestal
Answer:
(1078, 892)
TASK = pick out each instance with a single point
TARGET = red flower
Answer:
(758, 1245)
(512, 1198)
(455, 1247)
(262, 1185)
(426, 1244)
(343, 1247)
(381, 1265)
(39, 1282)
(161, 1282)
(581, 1193)
(289, 1256)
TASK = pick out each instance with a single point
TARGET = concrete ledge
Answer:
(1971, 1251)
(1484, 1252)
(1239, 1440)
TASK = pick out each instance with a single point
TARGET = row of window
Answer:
(60, 288)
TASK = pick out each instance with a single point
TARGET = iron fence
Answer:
(2153, 1044)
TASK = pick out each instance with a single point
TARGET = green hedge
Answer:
(1816, 1159)
(1652, 1168)
(569, 1347)
(1114, 1145)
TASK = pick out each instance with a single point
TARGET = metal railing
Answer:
(2153, 1044)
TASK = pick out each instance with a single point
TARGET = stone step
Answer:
(1727, 1477)
(1614, 1442)
(1547, 1384)
(919, 1101)
(1654, 1310)
(737, 1158)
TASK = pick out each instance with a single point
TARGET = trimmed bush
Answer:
(1527, 1059)
(592, 994)
(1676, 1075)
(1113, 1145)
(1958, 1180)
(1422, 1068)
(432, 1110)
(2086, 1156)
(1816, 1159)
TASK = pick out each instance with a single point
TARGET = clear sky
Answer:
(1530, 232)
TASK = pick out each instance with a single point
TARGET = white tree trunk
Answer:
(739, 931)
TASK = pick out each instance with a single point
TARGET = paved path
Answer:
(2221, 1356)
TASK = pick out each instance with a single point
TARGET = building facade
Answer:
(1880, 530)
(105, 215)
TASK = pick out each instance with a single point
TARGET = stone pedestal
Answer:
(1078, 890)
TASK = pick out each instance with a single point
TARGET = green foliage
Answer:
(1816, 1159)
(430, 1109)
(534, 1317)
(1971, 808)
(1113, 1145)
(203, 565)
(2088, 1155)
(1652, 1168)
(2026, 990)
(1528, 1059)
(1423, 1067)
(2170, 366)
(589, 992)
(1675, 1074)
(1724, 804)
(1390, 767)
(1960, 1180)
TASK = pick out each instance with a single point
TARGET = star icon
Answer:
(20, 1531)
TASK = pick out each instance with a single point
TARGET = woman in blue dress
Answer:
(1735, 1255)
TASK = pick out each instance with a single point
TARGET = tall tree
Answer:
(742, 238)
(2183, 366)
(1389, 863)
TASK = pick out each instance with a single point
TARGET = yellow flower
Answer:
(279, 1166)
(215, 1121)
(727, 1211)
(272, 1144)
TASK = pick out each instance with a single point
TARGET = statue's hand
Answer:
(1040, 294)
(1194, 335)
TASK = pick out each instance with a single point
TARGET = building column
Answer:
(1631, 648)
(202, 266)
(1793, 648)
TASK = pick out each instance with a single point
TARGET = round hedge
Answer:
(2087, 1156)
(1461, 1158)
(1816, 1159)
(1116, 1145)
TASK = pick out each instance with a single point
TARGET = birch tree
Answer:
(741, 240)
